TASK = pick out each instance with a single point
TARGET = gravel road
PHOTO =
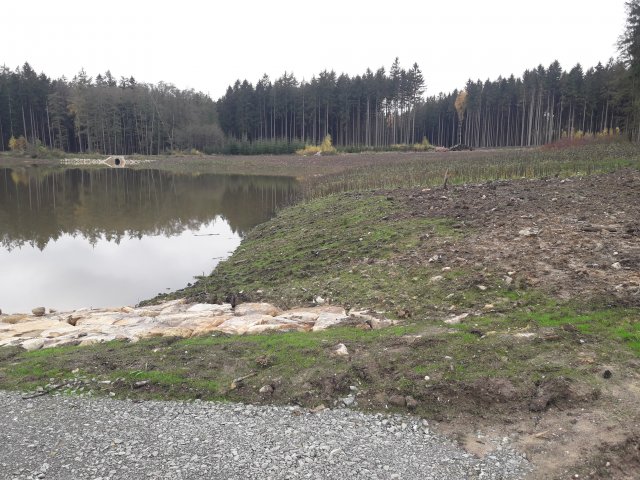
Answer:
(62, 437)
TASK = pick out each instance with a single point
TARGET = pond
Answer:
(78, 238)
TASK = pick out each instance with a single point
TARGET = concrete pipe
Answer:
(116, 161)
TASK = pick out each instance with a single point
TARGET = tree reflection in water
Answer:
(99, 237)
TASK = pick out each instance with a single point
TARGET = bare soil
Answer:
(577, 237)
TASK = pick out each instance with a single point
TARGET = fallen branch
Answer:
(44, 392)
(238, 381)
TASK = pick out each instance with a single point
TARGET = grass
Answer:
(423, 170)
(346, 248)
(303, 370)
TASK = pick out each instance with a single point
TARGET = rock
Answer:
(348, 401)
(436, 278)
(427, 378)
(370, 319)
(457, 319)
(341, 350)
(16, 318)
(319, 300)
(266, 389)
(489, 306)
(411, 402)
(397, 401)
(529, 232)
(33, 344)
(38, 311)
(482, 287)
(206, 307)
(616, 266)
(261, 308)
(329, 317)
(0, 311)
(175, 318)
(607, 374)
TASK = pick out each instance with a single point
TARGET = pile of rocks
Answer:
(175, 318)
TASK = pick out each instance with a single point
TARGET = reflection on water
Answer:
(116, 236)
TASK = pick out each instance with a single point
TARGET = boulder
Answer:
(38, 311)
(33, 344)
(329, 317)
(411, 402)
(255, 308)
(267, 390)
(341, 350)
(397, 401)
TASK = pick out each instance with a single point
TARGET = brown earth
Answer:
(576, 238)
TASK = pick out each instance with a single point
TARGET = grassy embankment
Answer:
(362, 250)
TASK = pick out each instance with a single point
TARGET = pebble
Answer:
(106, 438)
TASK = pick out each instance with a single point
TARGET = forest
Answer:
(102, 115)
(373, 110)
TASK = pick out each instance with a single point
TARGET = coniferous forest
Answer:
(372, 110)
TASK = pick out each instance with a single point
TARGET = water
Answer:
(108, 237)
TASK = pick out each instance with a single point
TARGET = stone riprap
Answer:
(171, 319)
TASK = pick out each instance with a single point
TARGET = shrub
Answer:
(325, 148)
(19, 144)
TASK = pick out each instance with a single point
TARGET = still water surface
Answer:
(107, 237)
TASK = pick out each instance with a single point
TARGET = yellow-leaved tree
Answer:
(18, 144)
(461, 107)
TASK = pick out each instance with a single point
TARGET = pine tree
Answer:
(629, 47)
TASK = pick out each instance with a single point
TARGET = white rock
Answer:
(329, 319)
(457, 319)
(529, 232)
(251, 308)
(341, 350)
(266, 389)
(204, 307)
(175, 318)
(33, 344)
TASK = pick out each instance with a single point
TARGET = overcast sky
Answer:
(208, 45)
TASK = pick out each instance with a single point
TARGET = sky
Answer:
(207, 45)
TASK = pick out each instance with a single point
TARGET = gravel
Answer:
(66, 437)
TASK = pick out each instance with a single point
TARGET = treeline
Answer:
(380, 109)
(372, 109)
(540, 107)
(102, 115)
